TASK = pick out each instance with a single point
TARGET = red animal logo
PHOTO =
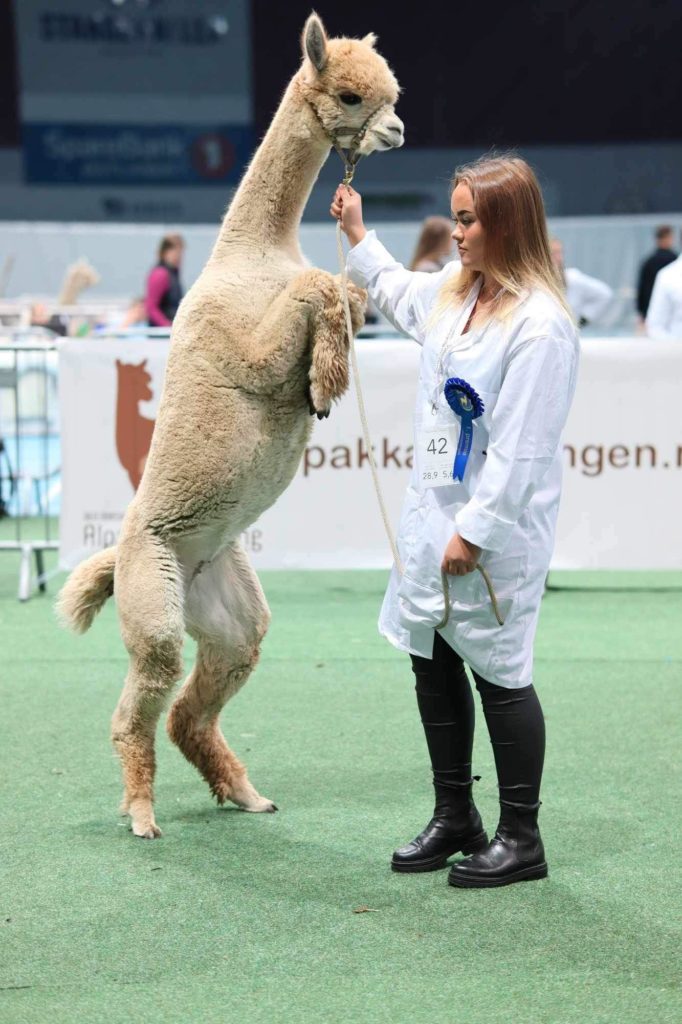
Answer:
(133, 430)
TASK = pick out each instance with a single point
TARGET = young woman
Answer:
(164, 289)
(496, 322)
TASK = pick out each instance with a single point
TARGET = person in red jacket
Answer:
(164, 289)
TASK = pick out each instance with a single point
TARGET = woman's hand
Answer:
(461, 557)
(347, 207)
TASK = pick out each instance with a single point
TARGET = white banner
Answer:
(623, 458)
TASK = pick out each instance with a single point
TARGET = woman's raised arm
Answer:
(405, 297)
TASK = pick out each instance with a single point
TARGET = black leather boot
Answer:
(455, 826)
(516, 853)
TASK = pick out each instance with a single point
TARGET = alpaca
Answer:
(133, 430)
(79, 276)
(258, 341)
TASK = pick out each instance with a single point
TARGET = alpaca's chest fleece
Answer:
(252, 480)
(239, 290)
(230, 432)
(215, 476)
(238, 507)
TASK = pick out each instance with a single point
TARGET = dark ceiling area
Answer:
(556, 71)
(532, 72)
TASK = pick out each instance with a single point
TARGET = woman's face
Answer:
(468, 232)
(173, 256)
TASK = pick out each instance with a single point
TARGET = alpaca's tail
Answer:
(86, 591)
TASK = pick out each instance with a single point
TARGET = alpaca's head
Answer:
(81, 275)
(346, 81)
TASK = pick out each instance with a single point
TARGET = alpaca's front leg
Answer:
(306, 322)
(329, 363)
(281, 342)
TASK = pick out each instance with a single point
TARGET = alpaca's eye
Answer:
(351, 99)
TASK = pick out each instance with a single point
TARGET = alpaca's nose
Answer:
(397, 129)
(389, 132)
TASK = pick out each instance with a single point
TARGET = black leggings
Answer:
(514, 718)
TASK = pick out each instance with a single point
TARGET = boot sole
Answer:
(479, 842)
(476, 882)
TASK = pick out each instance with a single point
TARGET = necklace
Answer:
(450, 343)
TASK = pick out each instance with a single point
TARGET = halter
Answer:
(350, 157)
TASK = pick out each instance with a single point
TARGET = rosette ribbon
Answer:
(465, 403)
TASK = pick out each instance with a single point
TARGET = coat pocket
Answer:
(505, 572)
(424, 605)
(419, 605)
(420, 592)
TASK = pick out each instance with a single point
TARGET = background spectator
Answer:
(40, 317)
(664, 317)
(434, 245)
(133, 316)
(588, 297)
(164, 289)
(662, 255)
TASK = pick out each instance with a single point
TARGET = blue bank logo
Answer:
(84, 154)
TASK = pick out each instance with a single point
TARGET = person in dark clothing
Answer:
(661, 257)
(164, 289)
(40, 317)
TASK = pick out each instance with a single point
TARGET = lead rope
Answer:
(361, 401)
(368, 441)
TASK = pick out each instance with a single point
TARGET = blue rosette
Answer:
(465, 403)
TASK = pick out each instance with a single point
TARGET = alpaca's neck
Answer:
(71, 289)
(124, 402)
(268, 205)
(127, 400)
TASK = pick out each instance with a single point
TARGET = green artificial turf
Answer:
(250, 918)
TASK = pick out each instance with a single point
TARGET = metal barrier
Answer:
(29, 479)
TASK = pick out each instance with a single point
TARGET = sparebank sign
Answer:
(135, 91)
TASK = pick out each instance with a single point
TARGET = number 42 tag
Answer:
(437, 448)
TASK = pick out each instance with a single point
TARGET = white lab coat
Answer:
(664, 316)
(524, 370)
(588, 297)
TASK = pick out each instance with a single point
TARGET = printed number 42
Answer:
(442, 441)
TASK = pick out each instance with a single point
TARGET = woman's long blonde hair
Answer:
(508, 203)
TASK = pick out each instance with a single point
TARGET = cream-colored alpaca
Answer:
(79, 276)
(256, 340)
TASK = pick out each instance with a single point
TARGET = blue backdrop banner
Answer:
(135, 154)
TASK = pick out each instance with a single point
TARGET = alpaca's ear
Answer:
(315, 42)
(370, 39)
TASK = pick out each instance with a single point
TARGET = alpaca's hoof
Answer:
(261, 806)
(142, 819)
(316, 408)
(150, 830)
(246, 797)
(319, 401)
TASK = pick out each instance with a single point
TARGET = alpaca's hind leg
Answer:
(149, 598)
(226, 611)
